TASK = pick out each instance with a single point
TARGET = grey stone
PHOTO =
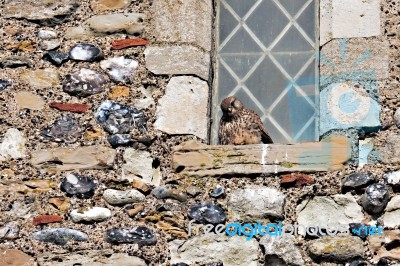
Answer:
(89, 258)
(283, 247)
(255, 202)
(357, 180)
(78, 185)
(329, 210)
(162, 192)
(392, 213)
(4, 83)
(396, 117)
(207, 213)
(15, 61)
(375, 198)
(232, 251)
(65, 129)
(188, 21)
(186, 114)
(390, 150)
(85, 52)
(12, 145)
(177, 60)
(44, 12)
(139, 164)
(95, 214)
(336, 249)
(56, 57)
(140, 235)
(122, 197)
(60, 236)
(120, 69)
(64, 159)
(9, 231)
(131, 23)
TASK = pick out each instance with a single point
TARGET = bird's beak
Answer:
(230, 109)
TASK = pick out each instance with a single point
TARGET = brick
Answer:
(46, 219)
(126, 43)
(71, 107)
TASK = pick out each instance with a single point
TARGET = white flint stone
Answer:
(120, 197)
(95, 214)
(13, 145)
(392, 178)
(178, 60)
(183, 108)
(72, 179)
(120, 68)
(50, 44)
(130, 23)
(47, 34)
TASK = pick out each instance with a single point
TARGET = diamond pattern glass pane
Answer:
(266, 56)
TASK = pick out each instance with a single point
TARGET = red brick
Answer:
(297, 180)
(72, 107)
(46, 219)
(125, 43)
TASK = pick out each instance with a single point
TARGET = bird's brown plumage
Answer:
(240, 125)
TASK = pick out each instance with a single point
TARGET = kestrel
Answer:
(239, 125)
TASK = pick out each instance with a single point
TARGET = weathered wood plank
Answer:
(197, 159)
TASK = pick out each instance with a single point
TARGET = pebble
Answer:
(71, 107)
(375, 198)
(139, 235)
(218, 191)
(119, 119)
(85, 52)
(297, 180)
(84, 82)
(46, 219)
(131, 23)
(60, 203)
(102, 5)
(78, 185)
(13, 145)
(134, 210)
(28, 100)
(206, 212)
(126, 43)
(122, 197)
(15, 61)
(120, 139)
(95, 214)
(60, 236)
(4, 83)
(140, 185)
(56, 57)
(284, 248)
(10, 231)
(396, 117)
(41, 78)
(193, 191)
(64, 129)
(163, 192)
(47, 34)
(357, 181)
(120, 69)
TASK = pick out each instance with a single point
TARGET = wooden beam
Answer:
(196, 159)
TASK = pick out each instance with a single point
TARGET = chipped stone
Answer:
(85, 52)
(64, 129)
(193, 99)
(78, 185)
(84, 82)
(60, 236)
(4, 83)
(177, 60)
(139, 235)
(375, 198)
(120, 69)
(13, 145)
(56, 57)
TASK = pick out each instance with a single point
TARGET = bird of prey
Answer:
(240, 125)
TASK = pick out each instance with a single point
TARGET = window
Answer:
(266, 56)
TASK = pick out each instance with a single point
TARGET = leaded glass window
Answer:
(266, 56)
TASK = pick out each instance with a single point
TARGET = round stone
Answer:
(375, 198)
(95, 214)
(122, 197)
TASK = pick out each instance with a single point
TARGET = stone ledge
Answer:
(196, 159)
